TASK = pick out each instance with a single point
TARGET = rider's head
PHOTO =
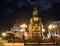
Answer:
(35, 11)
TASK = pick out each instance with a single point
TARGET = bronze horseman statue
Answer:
(35, 25)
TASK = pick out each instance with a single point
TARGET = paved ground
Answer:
(1, 44)
(42, 45)
(36, 44)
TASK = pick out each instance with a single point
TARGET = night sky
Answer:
(12, 10)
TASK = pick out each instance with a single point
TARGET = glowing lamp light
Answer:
(25, 34)
(48, 36)
(50, 26)
(23, 26)
(54, 26)
(43, 30)
(21, 30)
(3, 34)
(0, 38)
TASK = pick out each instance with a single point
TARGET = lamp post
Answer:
(4, 35)
(52, 31)
(50, 28)
(23, 29)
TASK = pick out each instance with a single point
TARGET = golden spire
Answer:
(35, 11)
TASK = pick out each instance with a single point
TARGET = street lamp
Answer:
(23, 29)
(23, 26)
(52, 26)
(52, 32)
(4, 34)
(50, 29)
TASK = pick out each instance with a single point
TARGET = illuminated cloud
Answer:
(43, 4)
